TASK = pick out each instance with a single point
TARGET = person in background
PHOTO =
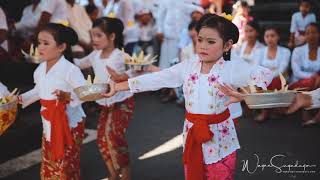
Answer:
(92, 11)
(277, 59)
(249, 49)
(305, 63)
(53, 11)
(81, 23)
(27, 25)
(147, 31)
(299, 21)
(185, 39)
(4, 51)
(240, 19)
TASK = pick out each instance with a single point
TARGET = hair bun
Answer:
(70, 36)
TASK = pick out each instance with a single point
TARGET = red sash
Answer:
(198, 134)
(55, 113)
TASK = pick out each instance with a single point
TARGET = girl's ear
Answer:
(227, 45)
(112, 36)
(62, 47)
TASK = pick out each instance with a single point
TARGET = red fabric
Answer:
(224, 169)
(67, 168)
(55, 113)
(275, 84)
(304, 83)
(198, 134)
(112, 126)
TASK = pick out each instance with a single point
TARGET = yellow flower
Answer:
(63, 22)
(227, 16)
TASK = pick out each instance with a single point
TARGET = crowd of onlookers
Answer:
(167, 29)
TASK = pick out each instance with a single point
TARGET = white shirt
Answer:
(4, 26)
(302, 66)
(81, 23)
(62, 76)
(173, 16)
(29, 20)
(122, 9)
(3, 90)
(277, 65)
(115, 61)
(57, 8)
(147, 32)
(252, 57)
(202, 96)
(299, 23)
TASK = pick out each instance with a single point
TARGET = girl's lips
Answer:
(203, 53)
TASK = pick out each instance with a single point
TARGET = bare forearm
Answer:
(123, 86)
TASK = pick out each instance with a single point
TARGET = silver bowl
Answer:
(91, 92)
(270, 100)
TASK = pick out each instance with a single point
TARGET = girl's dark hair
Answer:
(63, 34)
(255, 25)
(273, 28)
(109, 26)
(226, 29)
(192, 25)
(306, 1)
(314, 25)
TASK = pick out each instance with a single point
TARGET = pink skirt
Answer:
(222, 170)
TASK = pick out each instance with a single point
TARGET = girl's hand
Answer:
(20, 100)
(152, 68)
(234, 95)
(114, 76)
(300, 101)
(112, 90)
(62, 96)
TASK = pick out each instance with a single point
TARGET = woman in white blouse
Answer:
(249, 49)
(61, 111)
(209, 135)
(305, 63)
(275, 58)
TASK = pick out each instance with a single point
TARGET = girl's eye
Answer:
(211, 42)
(199, 40)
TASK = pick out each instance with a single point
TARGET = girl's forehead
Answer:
(208, 32)
(96, 29)
(45, 35)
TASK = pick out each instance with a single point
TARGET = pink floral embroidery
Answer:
(220, 94)
(193, 77)
(213, 79)
(225, 131)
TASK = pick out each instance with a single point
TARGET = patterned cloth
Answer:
(67, 168)
(113, 123)
(222, 170)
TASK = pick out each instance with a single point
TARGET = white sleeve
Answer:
(75, 79)
(313, 18)
(3, 20)
(171, 78)
(249, 75)
(284, 62)
(296, 65)
(3, 90)
(293, 26)
(32, 95)
(84, 62)
(49, 6)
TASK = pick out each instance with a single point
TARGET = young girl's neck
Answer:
(107, 51)
(272, 47)
(251, 43)
(207, 66)
(51, 63)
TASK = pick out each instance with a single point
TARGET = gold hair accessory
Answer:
(227, 16)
